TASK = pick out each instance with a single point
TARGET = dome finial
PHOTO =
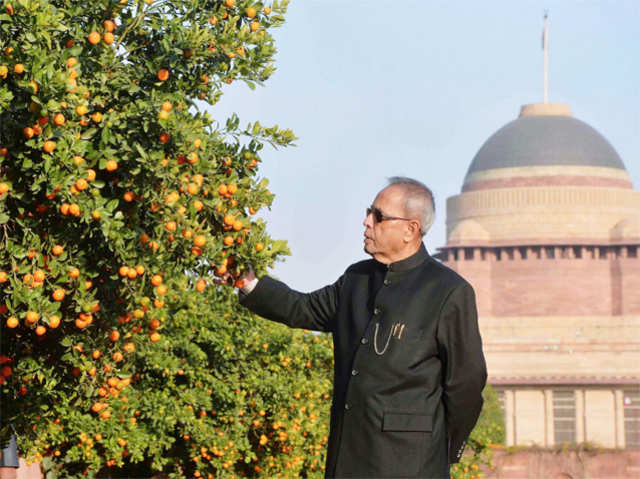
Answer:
(545, 48)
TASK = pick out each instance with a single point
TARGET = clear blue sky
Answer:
(377, 88)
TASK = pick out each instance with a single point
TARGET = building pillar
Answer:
(619, 411)
(580, 434)
(509, 417)
(549, 438)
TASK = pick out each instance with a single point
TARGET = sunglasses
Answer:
(380, 217)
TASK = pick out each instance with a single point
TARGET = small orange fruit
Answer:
(59, 119)
(199, 240)
(12, 322)
(58, 294)
(111, 165)
(154, 337)
(109, 25)
(32, 317)
(40, 330)
(49, 146)
(54, 321)
(109, 38)
(115, 335)
(94, 38)
(18, 68)
(57, 250)
(163, 74)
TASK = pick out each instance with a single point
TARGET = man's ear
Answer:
(413, 229)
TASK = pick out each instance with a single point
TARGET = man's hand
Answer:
(245, 282)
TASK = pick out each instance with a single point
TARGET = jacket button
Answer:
(347, 407)
(376, 311)
(354, 372)
(364, 341)
(387, 282)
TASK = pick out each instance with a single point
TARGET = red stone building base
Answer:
(565, 464)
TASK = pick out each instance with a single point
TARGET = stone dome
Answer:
(468, 231)
(628, 228)
(545, 135)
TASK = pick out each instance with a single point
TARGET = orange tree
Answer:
(121, 199)
(488, 432)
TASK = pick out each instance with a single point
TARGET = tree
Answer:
(489, 430)
(120, 200)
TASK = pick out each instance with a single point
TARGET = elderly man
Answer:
(409, 369)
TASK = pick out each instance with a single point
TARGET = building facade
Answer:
(547, 230)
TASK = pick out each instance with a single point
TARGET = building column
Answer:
(549, 438)
(580, 435)
(509, 417)
(619, 411)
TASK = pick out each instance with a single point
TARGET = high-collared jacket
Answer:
(409, 369)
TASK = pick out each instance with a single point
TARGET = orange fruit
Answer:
(154, 337)
(129, 347)
(12, 322)
(91, 175)
(255, 26)
(259, 247)
(161, 289)
(81, 184)
(28, 132)
(267, 10)
(58, 294)
(81, 110)
(94, 38)
(228, 240)
(105, 414)
(74, 209)
(87, 285)
(140, 270)
(40, 330)
(18, 68)
(57, 250)
(154, 324)
(109, 25)
(96, 354)
(49, 146)
(163, 115)
(163, 74)
(129, 196)
(95, 214)
(74, 272)
(222, 190)
(3, 276)
(198, 205)
(114, 335)
(230, 3)
(199, 240)
(201, 285)
(109, 38)
(59, 119)
(170, 226)
(54, 321)
(4, 188)
(156, 280)
(164, 137)
(96, 117)
(32, 317)
(132, 273)
(229, 220)
(117, 356)
(166, 106)
(78, 160)
(111, 165)
(71, 62)
(38, 276)
(123, 271)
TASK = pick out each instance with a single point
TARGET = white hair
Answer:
(419, 203)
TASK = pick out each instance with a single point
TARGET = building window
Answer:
(468, 253)
(632, 251)
(550, 252)
(523, 253)
(564, 417)
(631, 406)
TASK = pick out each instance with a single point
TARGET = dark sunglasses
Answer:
(380, 217)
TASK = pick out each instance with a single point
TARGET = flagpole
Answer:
(545, 47)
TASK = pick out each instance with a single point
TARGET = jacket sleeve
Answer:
(274, 300)
(464, 368)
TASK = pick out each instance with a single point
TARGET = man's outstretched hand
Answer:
(245, 282)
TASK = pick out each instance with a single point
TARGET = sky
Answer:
(375, 88)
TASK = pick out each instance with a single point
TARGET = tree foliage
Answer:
(121, 199)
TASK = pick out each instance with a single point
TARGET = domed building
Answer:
(547, 230)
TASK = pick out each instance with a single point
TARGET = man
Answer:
(409, 369)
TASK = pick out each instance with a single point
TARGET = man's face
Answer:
(384, 240)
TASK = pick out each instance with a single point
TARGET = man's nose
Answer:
(367, 221)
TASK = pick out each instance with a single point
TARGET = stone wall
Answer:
(565, 464)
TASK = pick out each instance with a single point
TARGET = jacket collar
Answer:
(411, 262)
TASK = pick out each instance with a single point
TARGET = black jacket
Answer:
(405, 399)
